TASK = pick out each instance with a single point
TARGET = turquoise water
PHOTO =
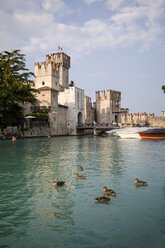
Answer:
(33, 213)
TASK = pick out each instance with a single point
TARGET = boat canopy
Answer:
(155, 131)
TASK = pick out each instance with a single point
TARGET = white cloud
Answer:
(92, 1)
(34, 27)
(114, 4)
(55, 6)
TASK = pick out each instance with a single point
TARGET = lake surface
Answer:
(33, 213)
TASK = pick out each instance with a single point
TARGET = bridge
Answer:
(95, 129)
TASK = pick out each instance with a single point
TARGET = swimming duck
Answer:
(102, 199)
(140, 183)
(80, 168)
(80, 177)
(109, 191)
(60, 183)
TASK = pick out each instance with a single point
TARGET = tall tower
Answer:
(108, 107)
(62, 63)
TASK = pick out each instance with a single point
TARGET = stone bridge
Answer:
(95, 129)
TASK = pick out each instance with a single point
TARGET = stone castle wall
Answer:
(31, 129)
(142, 119)
(158, 122)
(62, 121)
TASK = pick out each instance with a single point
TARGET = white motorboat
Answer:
(128, 132)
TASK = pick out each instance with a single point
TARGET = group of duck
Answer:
(108, 192)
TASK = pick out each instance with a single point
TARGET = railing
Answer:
(40, 109)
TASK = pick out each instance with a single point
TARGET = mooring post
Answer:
(94, 130)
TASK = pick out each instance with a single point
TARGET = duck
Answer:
(59, 183)
(140, 183)
(80, 177)
(80, 168)
(102, 199)
(109, 191)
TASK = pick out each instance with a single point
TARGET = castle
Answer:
(66, 104)
(68, 107)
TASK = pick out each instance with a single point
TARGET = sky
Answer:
(113, 44)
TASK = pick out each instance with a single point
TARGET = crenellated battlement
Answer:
(59, 58)
(136, 115)
(54, 72)
(143, 114)
(151, 115)
(108, 95)
(45, 69)
(87, 99)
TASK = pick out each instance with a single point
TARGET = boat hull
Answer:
(153, 136)
(128, 133)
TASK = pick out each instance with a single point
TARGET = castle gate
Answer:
(79, 118)
(116, 119)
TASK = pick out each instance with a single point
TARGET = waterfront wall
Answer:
(157, 122)
(142, 119)
(30, 130)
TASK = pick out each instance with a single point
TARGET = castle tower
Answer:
(108, 107)
(62, 62)
(46, 75)
(54, 72)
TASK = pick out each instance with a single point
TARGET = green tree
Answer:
(15, 87)
(163, 88)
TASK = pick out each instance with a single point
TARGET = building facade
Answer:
(73, 98)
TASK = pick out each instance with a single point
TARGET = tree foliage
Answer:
(40, 116)
(163, 88)
(15, 87)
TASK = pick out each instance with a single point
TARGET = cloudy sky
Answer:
(113, 44)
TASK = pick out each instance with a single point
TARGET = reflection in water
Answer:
(34, 212)
(101, 156)
(52, 202)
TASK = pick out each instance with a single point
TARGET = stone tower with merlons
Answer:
(54, 72)
(108, 107)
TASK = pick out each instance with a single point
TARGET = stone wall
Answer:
(158, 122)
(62, 128)
(142, 119)
(31, 129)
